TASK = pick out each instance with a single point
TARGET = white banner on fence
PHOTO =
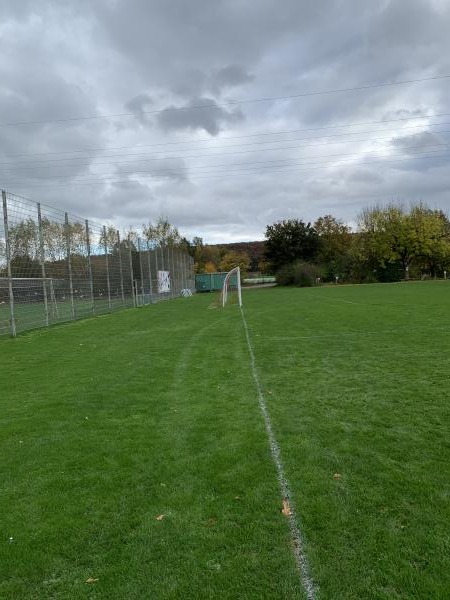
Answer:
(163, 281)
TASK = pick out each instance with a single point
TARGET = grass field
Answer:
(135, 460)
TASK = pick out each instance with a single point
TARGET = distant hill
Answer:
(255, 250)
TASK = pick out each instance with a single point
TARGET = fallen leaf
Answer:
(211, 521)
(286, 510)
(91, 580)
(160, 517)
(337, 476)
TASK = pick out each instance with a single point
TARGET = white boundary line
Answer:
(297, 538)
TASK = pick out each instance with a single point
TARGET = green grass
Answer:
(107, 423)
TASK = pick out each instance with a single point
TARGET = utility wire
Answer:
(218, 175)
(238, 137)
(229, 103)
(257, 143)
(14, 167)
(229, 167)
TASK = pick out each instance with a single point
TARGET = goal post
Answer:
(228, 283)
(36, 290)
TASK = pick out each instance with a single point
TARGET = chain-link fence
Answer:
(55, 267)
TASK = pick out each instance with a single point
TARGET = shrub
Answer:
(298, 273)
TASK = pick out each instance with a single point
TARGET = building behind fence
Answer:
(55, 267)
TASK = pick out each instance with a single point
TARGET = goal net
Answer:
(37, 290)
(231, 289)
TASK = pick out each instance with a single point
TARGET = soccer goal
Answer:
(33, 290)
(231, 289)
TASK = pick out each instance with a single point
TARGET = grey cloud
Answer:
(169, 168)
(423, 141)
(192, 116)
(74, 58)
(230, 76)
(139, 105)
(193, 81)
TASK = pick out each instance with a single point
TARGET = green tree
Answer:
(432, 230)
(391, 236)
(290, 240)
(335, 249)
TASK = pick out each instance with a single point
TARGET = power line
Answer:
(238, 137)
(15, 167)
(229, 103)
(229, 167)
(257, 143)
(250, 171)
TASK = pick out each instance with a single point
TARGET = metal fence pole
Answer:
(162, 258)
(42, 259)
(91, 281)
(174, 272)
(157, 270)
(69, 265)
(149, 273)
(173, 282)
(108, 284)
(141, 270)
(8, 265)
(185, 271)
(120, 267)
(130, 254)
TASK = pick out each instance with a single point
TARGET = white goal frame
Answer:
(49, 296)
(225, 285)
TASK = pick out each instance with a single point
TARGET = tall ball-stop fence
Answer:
(56, 267)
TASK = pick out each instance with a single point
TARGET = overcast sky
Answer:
(126, 110)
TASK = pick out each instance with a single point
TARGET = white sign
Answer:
(163, 281)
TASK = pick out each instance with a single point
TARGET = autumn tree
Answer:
(418, 238)
(336, 242)
(232, 259)
(162, 233)
(209, 267)
(207, 255)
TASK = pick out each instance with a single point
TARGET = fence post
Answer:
(91, 281)
(130, 255)
(185, 281)
(105, 244)
(174, 275)
(162, 258)
(120, 268)
(42, 259)
(141, 270)
(156, 273)
(8, 265)
(149, 274)
(69, 264)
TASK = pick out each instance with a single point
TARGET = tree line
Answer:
(390, 243)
